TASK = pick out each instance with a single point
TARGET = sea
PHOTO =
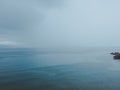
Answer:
(59, 69)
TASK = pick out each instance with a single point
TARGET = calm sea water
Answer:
(84, 69)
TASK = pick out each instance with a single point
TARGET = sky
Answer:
(60, 23)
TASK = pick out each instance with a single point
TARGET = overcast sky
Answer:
(60, 23)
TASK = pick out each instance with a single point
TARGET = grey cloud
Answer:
(17, 16)
(19, 19)
(53, 23)
(23, 14)
(51, 3)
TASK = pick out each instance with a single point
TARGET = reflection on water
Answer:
(25, 69)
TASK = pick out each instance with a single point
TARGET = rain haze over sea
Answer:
(59, 44)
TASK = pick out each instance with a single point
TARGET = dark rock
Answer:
(115, 53)
(117, 56)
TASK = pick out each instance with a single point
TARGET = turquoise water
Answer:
(84, 69)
